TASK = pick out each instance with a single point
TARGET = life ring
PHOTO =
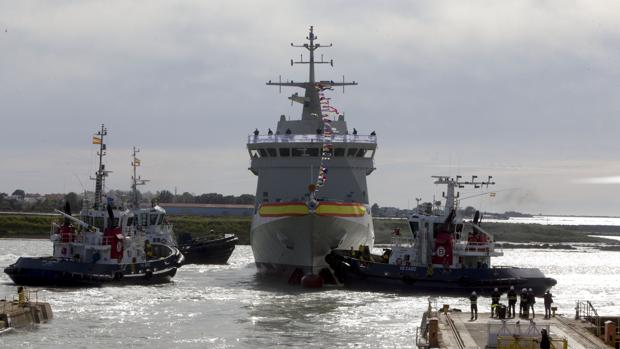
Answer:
(441, 251)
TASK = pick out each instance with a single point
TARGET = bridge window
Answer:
(369, 153)
(254, 154)
(272, 152)
(305, 152)
(312, 151)
(339, 152)
(285, 152)
(262, 152)
(360, 153)
(351, 151)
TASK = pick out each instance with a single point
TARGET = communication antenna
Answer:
(135, 179)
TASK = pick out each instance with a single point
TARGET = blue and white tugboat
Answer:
(444, 255)
(107, 244)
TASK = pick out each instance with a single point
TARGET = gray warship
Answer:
(298, 219)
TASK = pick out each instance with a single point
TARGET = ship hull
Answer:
(50, 271)
(389, 277)
(282, 245)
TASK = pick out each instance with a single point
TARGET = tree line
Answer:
(20, 201)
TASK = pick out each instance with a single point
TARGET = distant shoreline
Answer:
(38, 227)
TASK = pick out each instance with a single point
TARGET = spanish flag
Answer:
(96, 140)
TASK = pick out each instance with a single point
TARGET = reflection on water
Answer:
(229, 306)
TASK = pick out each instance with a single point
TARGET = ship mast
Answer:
(453, 183)
(101, 172)
(135, 179)
(310, 101)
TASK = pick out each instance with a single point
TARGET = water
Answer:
(560, 220)
(229, 307)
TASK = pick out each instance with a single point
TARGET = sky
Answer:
(525, 91)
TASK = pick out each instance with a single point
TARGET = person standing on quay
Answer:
(495, 296)
(548, 300)
(474, 305)
(523, 304)
(512, 301)
(531, 300)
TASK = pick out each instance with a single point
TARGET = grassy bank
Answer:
(18, 226)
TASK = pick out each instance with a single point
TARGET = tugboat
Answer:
(151, 220)
(300, 215)
(204, 251)
(446, 255)
(103, 246)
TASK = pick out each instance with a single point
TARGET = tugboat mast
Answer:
(452, 183)
(101, 172)
(135, 179)
(311, 103)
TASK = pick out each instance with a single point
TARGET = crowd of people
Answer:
(526, 298)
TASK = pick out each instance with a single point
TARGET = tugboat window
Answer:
(351, 151)
(339, 152)
(143, 219)
(285, 152)
(161, 219)
(361, 153)
(262, 152)
(369, 153)
(272, 152)
(254, 153)
(154, 219)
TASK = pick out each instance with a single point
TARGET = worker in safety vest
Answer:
(474, 305)
(512, 301)
(495, 296)
(21, 295)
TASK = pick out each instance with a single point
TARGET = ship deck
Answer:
(456, 330)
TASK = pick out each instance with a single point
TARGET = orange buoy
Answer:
(312, 281)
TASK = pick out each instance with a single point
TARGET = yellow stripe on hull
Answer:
(340, 210)
(283, 210)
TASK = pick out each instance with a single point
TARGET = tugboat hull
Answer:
(210, 251)
(388, 277)
(50, 271)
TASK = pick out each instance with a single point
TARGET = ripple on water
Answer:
(230, 307)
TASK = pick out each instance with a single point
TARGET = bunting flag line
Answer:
(327, 112)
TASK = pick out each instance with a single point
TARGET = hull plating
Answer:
(283, 244)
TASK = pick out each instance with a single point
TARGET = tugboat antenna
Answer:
(101, 172)
(135, 179)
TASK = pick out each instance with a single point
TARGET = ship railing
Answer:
(368, 139)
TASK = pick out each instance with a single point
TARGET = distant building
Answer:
(208, 209)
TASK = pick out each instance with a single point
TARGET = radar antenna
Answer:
(457, 182)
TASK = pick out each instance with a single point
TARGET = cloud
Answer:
(598, 180)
